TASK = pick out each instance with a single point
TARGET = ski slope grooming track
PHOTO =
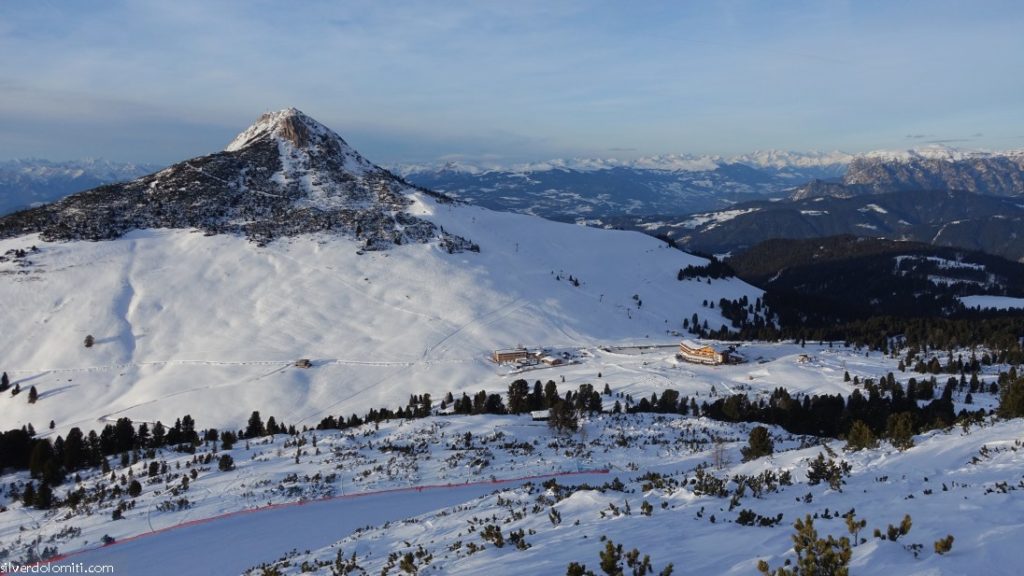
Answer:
(264, 534)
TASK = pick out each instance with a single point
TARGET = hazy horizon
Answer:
(156, 82)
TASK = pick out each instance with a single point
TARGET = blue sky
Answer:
(160, 81)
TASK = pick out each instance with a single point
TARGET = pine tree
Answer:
(158, 434)
(255, 428)
(44, 498)
(855, 526)
(42, 452)
(89, 341)
(577, 569)
(860, 437)
(550, 393)
(28, 496)
(758, 444)
(900, 429)
(1011, 399)
(134, 488)
(562, 417)
(611, 559)
(518, 396)
(33, 395)
(815, 556)
(5, 382)
(227, 440)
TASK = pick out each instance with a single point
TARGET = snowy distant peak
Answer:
(937, 152)
(98, 168)
(780, 159)
(773, 159)
(667, 163)
(29, 181)
(777, 160)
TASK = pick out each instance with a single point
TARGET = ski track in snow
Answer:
(108, 417)
(485, 319)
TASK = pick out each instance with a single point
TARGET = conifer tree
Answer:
(254, 428)
(815, 556)
(562, 417)
(860, 437)
(44, 498)
(518, 396)
(28, 496)
(758, 444)
(1011, 399)
(900, 429)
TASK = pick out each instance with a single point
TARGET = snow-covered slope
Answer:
(424, 487)
(952, 483)
(187, 322)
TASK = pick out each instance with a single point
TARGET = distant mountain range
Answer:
(943, 218)
(715, 204)
(966, 200)
(28, 182)
(594, 191)
(998, 174)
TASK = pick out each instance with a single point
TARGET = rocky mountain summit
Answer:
(285, 175)
(996, 174)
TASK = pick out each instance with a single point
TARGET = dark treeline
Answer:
(715, 268)
(832, 416)
(1000, 331)
(521, 398)
(20, 449)
(51, 460)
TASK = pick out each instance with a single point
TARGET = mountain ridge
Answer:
(285, 175)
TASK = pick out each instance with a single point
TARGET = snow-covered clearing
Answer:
(712, 219)
(997, 302)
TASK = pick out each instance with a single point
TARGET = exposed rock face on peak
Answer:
(290, 124)
(285, 175)
(997, 174)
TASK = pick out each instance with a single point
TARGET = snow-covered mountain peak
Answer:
(285, 175)
(290, 124)
(780, 159)
(938, 152)
(298, 135)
